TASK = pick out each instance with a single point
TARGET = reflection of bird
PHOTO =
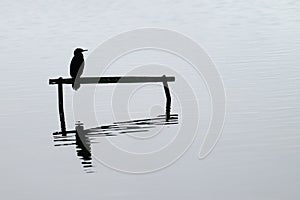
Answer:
(76, 66)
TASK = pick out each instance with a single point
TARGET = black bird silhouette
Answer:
(76, 66)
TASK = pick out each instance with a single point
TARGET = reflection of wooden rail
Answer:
(106, 80)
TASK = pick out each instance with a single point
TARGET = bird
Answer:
(76, 67)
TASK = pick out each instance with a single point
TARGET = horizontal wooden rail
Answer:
(116, 79)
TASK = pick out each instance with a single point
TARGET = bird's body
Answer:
(77, 66)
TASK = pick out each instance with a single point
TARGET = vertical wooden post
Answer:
(168, 96)
(61, 106)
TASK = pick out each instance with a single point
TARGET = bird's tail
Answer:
(76, 85)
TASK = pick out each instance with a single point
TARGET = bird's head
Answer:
(79, 51)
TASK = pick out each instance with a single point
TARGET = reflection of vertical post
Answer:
(168, 96)
(61, 106)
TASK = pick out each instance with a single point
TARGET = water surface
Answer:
(255, 45)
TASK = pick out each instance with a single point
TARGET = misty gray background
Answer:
(255, 45)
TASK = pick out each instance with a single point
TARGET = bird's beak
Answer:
(84, 50)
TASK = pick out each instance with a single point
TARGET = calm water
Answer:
(256, 48)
